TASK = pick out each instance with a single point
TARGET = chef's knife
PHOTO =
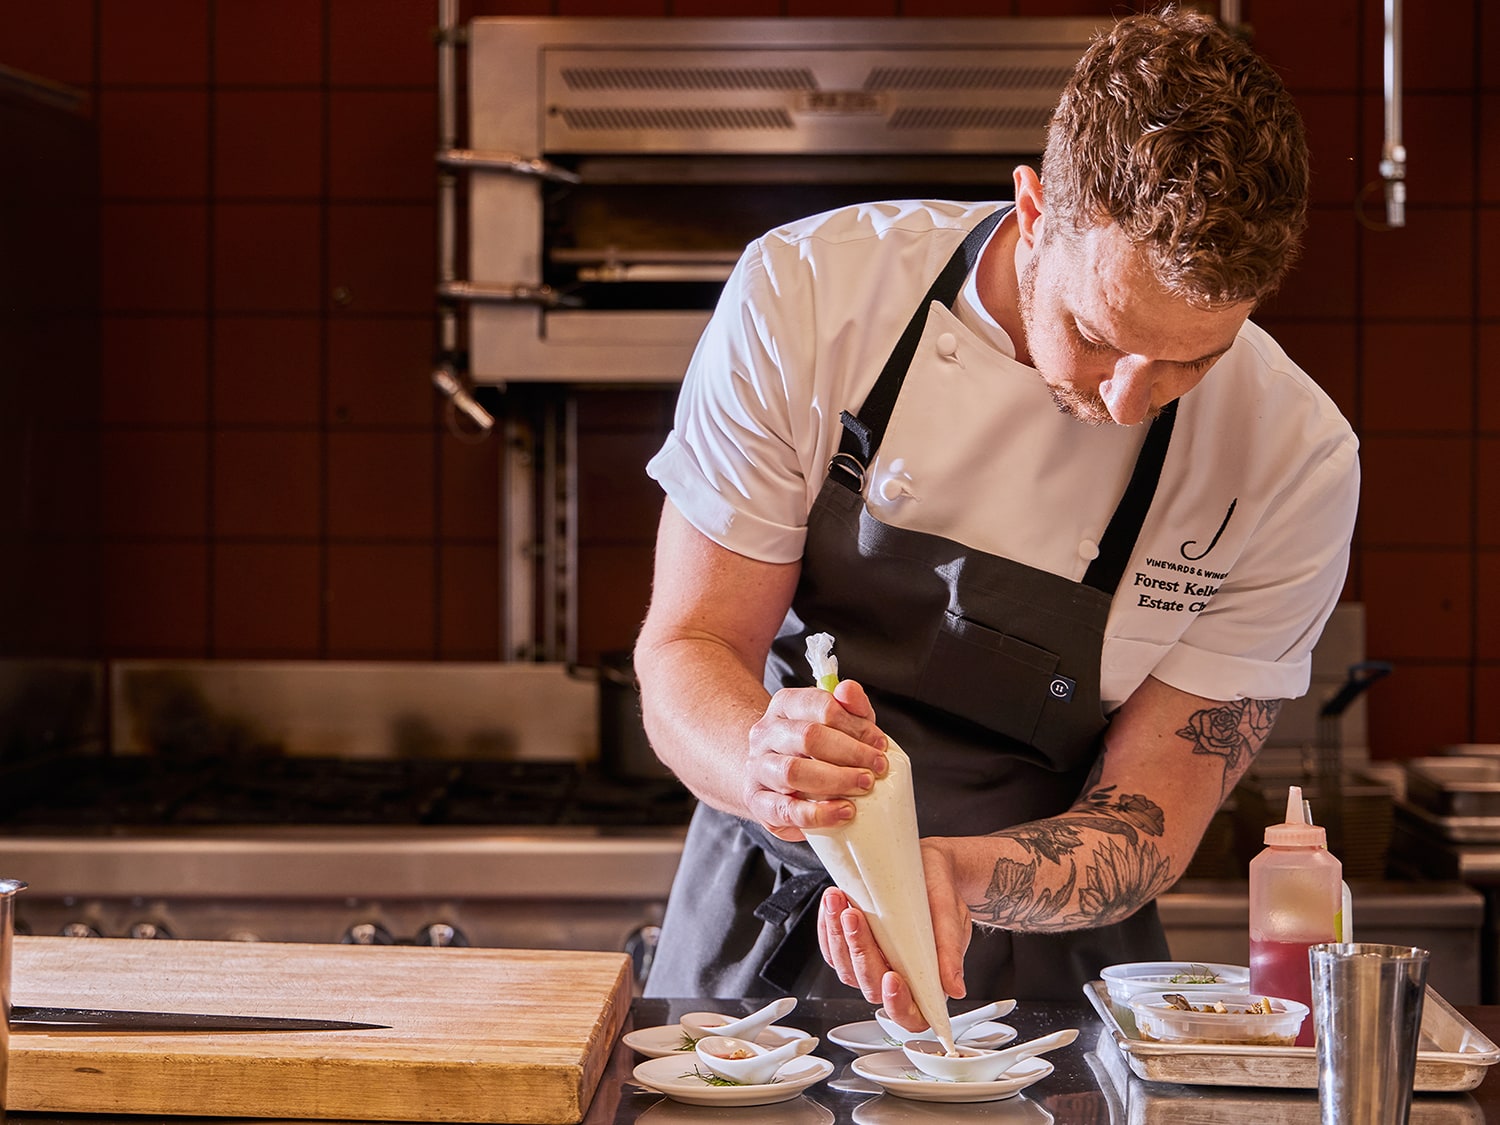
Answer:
(109, 1019)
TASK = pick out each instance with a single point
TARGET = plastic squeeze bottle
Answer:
(1296, 896)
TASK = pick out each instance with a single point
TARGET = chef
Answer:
(1074, 521)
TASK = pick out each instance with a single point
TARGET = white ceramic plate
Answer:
(895, 1073)
(801, 1110)
(867, 1037)
(1018, 1110)
(678, 1078)
(668, 1039)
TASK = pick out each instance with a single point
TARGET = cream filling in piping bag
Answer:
(876, 860)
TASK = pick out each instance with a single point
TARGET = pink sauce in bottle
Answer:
(1296, 894)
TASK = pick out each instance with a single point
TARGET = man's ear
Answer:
(1028, 187)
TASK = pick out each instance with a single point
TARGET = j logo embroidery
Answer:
(1193, 542)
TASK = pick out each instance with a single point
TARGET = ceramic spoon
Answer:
(699, 1024)
(747, 1063)
(973, 1065)
(961, 1024)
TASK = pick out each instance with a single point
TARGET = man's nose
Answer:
(1127, 389)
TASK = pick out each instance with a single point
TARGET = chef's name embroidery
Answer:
(1187, 591)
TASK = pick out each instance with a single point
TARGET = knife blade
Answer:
(113, 1019)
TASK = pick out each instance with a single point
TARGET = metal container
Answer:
(1455, 786)
(624, 750)
(8, 889)
(1367, 1003)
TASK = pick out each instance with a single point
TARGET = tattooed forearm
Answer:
(1233, 731)
(1109, 854)
(1122, 871)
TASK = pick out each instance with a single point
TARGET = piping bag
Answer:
(876, 860)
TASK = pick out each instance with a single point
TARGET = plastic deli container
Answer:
(1126, 982)
(1156, 1019)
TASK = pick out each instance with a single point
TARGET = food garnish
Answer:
(712, 1079)
(1196, 974)
(687, 1043)
(1261, 1007)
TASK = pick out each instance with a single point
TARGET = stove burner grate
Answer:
(105, 791)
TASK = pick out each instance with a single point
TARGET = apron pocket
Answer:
(989, 678)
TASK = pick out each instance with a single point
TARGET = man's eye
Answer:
(1093, 345)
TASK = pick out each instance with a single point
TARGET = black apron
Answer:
(985, 671)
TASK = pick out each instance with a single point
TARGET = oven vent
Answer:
(594, 119)
(688, 78)
(938, 117)
(1050, 78)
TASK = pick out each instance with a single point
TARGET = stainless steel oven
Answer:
(614, 169)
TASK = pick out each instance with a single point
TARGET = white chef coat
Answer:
(1242, 556)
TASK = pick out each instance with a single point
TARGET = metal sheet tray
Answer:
(1455, 829)
(1455, 786)
(1453, 1055)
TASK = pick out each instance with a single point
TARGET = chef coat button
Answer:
(1088, 549)
(947, 345)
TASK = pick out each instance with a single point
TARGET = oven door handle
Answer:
(506, 162)
(498, 293)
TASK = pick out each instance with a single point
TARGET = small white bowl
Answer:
(747, 1063)
(1126, 982)
(1156, 1019)
(972, 1064)
(962, 1024)
(699, 1024)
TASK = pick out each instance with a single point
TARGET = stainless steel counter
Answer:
(1090, 1084)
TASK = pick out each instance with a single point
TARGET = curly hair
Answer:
(1174, 129)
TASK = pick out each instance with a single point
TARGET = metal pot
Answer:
(624, 750)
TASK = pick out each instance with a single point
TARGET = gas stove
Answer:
(252, 846)
(110, 793)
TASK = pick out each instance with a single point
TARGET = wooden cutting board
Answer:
(483, 1035)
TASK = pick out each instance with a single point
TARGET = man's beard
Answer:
(1088, 408)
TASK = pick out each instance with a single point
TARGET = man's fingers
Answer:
(831, 936)
(865, 957)
(896, 998)
(786, 816)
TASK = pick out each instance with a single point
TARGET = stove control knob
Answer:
(440, 933)
(148, 930)
(79, 929)
(367, 933)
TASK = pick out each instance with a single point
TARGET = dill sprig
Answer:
(1196, 974)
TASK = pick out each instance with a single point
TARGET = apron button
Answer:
(947, 345)
(1088, 549)
(894, 488)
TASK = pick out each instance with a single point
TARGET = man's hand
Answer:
(809, 753)
(849, 946)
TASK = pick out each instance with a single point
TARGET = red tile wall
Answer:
(278, 480)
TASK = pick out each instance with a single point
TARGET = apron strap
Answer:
(863, 433)
(1124, 528)
(790, 901)
(790, 908)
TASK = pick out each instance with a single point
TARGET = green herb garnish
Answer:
(687, 1043)
(1196, 974)
(710, 1078)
